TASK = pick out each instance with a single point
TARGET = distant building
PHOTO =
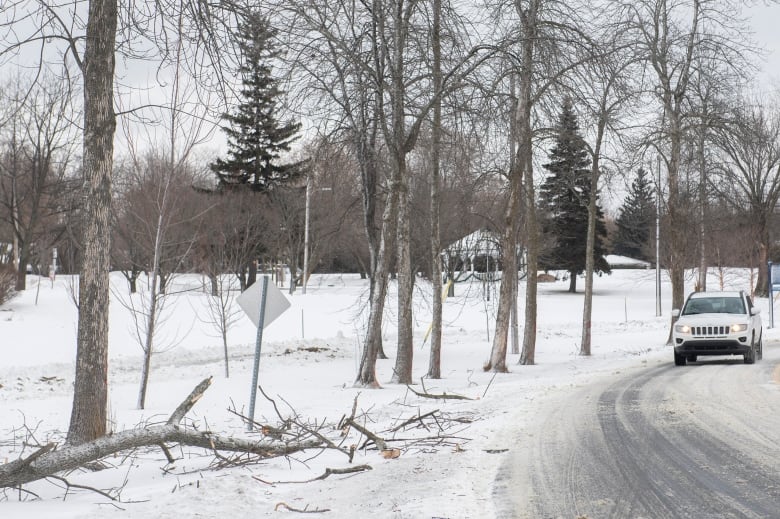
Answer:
(624, 262)
(479, 251)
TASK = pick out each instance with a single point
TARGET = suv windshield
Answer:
(714, 305)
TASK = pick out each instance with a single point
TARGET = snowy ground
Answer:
(309, 361)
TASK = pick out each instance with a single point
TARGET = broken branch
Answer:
(303, 511)
(443, 396)
(328, 472)
(48, 460)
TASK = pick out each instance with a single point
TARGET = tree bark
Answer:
(590, 246)
(367, 372)
(402, 374)
(525, 159)
(434, 364)
(701, 285)
(90, 399)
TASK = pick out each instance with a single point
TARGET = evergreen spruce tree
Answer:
(256, 139)
(635, 221)
(564, 202)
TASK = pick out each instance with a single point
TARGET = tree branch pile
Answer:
(292, 435)
(50, 459)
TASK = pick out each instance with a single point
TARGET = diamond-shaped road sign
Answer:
(275, 303)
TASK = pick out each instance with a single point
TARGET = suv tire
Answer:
(750, 356)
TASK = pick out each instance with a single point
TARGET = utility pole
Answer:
(658, 237)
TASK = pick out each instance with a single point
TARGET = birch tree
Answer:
(384, 46)
(434, 364)
(542, 44)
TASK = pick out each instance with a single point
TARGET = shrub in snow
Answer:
(7, 282)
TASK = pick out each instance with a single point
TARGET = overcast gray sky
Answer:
(766, 24)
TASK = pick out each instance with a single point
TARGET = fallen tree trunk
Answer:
(50, 460)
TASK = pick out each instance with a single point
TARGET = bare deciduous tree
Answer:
(750, 173)
(381, 46)
(86, 33)
(90, 398)
(671, 36)
(35, 163)
(607, 91)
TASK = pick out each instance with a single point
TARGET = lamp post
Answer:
(306, 235)
(658, 238)
(306, 232)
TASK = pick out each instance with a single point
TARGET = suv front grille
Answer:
(709, 331)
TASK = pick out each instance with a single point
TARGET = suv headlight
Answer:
(682, 328)
(738, 327)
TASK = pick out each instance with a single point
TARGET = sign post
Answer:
(773, 280)
(263, 303)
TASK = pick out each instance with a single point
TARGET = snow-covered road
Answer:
(664, 441)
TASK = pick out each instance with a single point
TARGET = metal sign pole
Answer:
(258, 343)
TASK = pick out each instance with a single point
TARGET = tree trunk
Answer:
(224, 327)
(513, 164)
(514, 329)
(590, 247)
(676, 216)
(434, 364)
(151, 316)
(367, 372)
(251, 276)
(402, 373)
(148, 347)
(163, 282)
(701, 285)
(498, 353)
(762, 283)
(242, 281)
(508, 279)
(572, 281)
(525, 158)
(23, 259)
(214, 282)
(90, 398)
(403, 360)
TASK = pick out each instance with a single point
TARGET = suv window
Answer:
(714, 305)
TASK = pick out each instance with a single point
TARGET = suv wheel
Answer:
(750, 355)
(679, 360)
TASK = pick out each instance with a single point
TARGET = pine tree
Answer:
(256, 139)
(636, 218)
(564, 201)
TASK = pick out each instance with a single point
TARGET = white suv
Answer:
(717, 323)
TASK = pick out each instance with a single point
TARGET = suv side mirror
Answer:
(675, 312)
(755, 311)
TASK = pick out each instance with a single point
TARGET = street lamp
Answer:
(306, 232)
(658, 238)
